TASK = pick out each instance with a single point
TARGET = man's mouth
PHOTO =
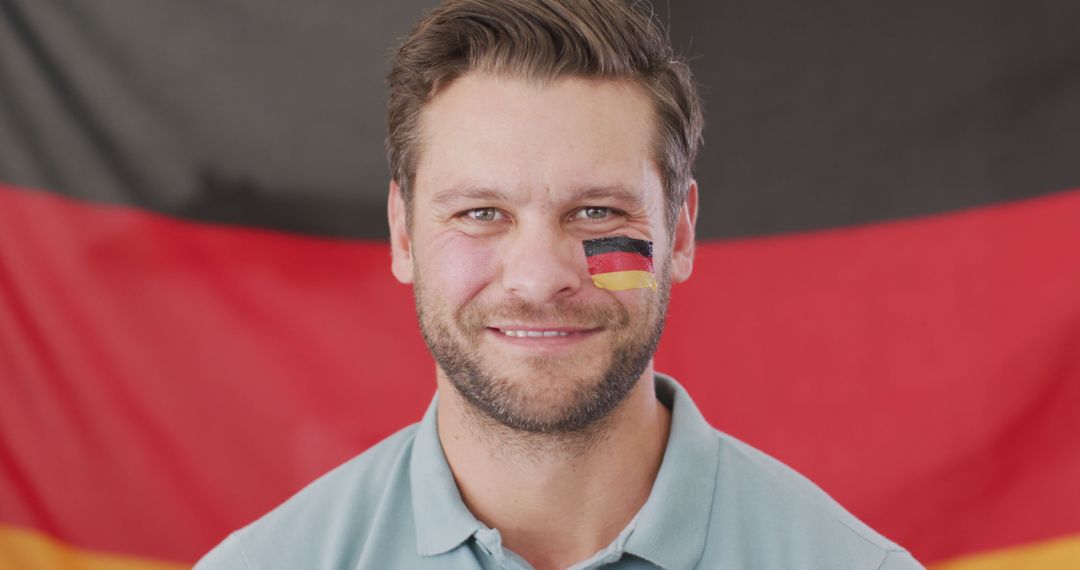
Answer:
(540, 331)
(511, 332)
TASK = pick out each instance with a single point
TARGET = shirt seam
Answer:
(884, 548)
(889, 552)
(712, 502)
(243, 553)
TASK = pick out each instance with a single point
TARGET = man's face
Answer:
(512, 176)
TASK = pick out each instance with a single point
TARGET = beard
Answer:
(562, 394)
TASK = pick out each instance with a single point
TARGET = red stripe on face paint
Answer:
(618, 261)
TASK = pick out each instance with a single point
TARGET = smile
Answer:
(548, 332)
(533, 333)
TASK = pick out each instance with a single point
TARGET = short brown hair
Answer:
(546, 39)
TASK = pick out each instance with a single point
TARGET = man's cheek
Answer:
(461, 267)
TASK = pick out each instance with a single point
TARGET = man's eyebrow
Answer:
(452, 195)
(617, 193)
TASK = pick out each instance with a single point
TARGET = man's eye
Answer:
(483, 214)
(594, 213)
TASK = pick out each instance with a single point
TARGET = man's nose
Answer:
(541, 265)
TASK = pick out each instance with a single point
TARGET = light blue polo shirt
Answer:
(717, 503)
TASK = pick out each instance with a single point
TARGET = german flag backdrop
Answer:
(197, 315)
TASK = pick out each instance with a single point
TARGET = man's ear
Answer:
(401, 263)
(682, 249)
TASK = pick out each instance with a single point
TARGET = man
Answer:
(542, 205)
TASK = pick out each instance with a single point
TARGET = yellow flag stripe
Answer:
(623, 280)
(1058, 554)
(24, 549)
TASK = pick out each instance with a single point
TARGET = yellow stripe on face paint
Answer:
(1058, 554)
(27, 549)
(623, 280)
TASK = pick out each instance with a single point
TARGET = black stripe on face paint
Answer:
(617, 244)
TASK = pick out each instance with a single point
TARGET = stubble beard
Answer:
(526, 407)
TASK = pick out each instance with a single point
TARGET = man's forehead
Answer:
(493, 137)
(577, 111)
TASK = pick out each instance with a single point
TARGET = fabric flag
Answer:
(197, 316)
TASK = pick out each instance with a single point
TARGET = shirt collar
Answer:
(442, 520)
(670, 529)
(673, 524)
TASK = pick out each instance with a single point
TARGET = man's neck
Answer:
(556, 499)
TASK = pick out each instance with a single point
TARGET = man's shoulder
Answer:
(329, 517)
(787, 521)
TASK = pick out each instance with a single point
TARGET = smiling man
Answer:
(542, 205)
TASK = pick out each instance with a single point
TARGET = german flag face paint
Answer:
(618, 263)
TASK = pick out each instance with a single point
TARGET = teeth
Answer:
(533, 334)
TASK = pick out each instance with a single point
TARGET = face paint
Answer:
(618, 263)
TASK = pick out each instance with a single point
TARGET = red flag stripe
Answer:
(923, 370)
(155, 366)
